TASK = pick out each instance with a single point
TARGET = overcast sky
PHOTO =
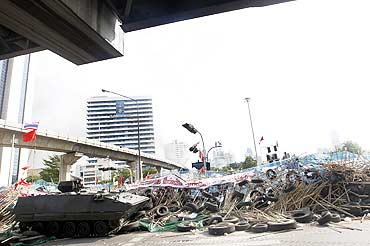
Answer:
(304, 64)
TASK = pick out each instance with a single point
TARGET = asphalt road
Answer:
(310, 235)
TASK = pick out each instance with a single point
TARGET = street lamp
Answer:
(192, 129)
(247, 99)
(139, 169)
(217, 145)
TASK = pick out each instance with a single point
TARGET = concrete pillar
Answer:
(133, 169)
(67, 160)
(159, 169)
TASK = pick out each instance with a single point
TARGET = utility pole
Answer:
(247, 99)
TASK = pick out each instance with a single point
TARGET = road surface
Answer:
(310, 235)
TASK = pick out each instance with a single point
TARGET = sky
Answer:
(304, 64)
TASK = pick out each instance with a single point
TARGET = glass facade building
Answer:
(113, 120)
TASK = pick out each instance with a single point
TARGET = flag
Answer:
(261, 140)
(31, 126)
(201, 156)
(29, 136)
(25, 168)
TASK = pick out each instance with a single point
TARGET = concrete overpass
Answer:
(84, 31)
(74, 148)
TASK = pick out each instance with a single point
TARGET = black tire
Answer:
(255, 193)
(175, 204)
(100, 228)
(257, 181)
(237, 194)
(211, 207)
(185, 227)
(69, 229)
(261, 202)
(83, 229)
(162, 211)
(231, 219)
(38, 226)
(221, 228)
(243, 182)
(302, 216)
(259, 228)
(325, 218)
(243, 204)
(23, 226)
(271, 174)
(242, 226)
(194, 208)
(213, 220)
(53, 228)
(282, 225)
(335, 218)
(207, 195)
(288, 188)
(271, 197)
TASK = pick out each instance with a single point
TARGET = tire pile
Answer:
(271, 201)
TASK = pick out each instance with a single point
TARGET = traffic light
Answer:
(193, 149)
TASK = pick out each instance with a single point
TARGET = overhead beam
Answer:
(55, 26)
(150, 13)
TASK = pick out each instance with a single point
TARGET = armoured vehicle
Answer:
(77, 214)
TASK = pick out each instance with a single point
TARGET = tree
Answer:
(51, 171)
(351, 147)
(125, 173)
(248, 163)
(33, 178)
(149, 171)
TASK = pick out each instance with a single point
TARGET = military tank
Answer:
(72, 214)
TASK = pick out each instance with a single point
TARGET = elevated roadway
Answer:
(75, 147)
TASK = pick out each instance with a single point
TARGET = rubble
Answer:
(273, 197)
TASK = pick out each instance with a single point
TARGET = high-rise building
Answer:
(15, 106)
(177, 152)
(221, 158)
(115, 120)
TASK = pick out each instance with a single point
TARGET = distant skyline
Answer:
(304, 64)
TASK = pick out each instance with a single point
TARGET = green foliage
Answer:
(149, 171)
(248, 163)
(51, 171)
(33, 178)
(125, 173)
(351, 147)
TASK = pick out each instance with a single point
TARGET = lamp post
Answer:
(139, 169)
(217, 145)
(192, 129)
(247, 99)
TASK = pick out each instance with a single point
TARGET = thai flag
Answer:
(31, 126)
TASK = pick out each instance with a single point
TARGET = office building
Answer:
(114, 120)
(15, 106)
(177, 152)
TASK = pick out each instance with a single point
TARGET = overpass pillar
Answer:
(132, 165)
(67, 160)
(159, 169)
